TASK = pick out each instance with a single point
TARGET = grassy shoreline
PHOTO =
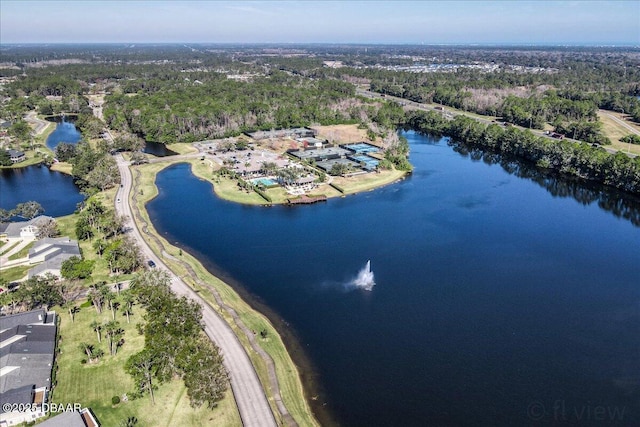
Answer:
(227, 188)
(243, 319)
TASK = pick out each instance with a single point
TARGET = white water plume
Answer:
(365, 279)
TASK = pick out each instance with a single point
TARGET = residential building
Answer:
(51, 253)
(16, 156)
(27, 348)
(25, 229)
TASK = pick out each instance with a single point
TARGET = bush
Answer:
(337, 187)
(263, 194)
(115, 400)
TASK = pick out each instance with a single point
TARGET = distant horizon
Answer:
(302, 44)
(432, 23)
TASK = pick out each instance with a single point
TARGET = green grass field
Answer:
(6, 246)
(63, 167)
(614, 131)
(22, 252)
(94, 385)
(369, 181)
(15, 273)
(182, 148)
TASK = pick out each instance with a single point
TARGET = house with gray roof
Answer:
(16, 156)
(25, 229)
(51, 253)
(27, 349)
(82, 418)
(33, 317)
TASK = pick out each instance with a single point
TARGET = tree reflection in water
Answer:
(621, 204)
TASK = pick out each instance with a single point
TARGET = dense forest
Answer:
(167, 94)
(185, 111)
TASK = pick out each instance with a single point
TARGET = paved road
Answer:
(40, 125)
(250, 397)
(625, 125)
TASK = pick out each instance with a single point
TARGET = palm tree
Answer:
(129, 422)
(88, 349)
(114, 332)
(114, 308)
(108, 297)
(96, 326)
(97, 296)
(127, 300)
(72, 308)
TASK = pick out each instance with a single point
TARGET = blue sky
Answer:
(429, 22)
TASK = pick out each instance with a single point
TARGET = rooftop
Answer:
(13, 229)
(27, 346)
(283, 133)
(321, 153)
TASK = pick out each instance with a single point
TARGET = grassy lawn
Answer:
(63, 167)
(369, 181)
(94, 385)
(7, 247)
(15, 273)
(67, 225)
(225, 188)
(182, 148)
(614, 131)
(22, 252)
(286, 371)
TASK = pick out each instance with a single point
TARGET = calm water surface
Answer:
(157, 149)
(55, 191)
(498, 301)
(65, 131)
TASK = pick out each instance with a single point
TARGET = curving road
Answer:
(248, 392)
(40, 125)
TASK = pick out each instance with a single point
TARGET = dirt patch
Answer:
(341, 133)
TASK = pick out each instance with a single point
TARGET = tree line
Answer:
(571, 158)
(175, 344)
(175, 111)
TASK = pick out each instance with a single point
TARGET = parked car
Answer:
(151, 264)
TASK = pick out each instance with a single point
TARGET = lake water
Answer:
(65, 131)
(502, 297)
(55, 191)
(157, 149)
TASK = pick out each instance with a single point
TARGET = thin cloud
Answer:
(250, 9)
